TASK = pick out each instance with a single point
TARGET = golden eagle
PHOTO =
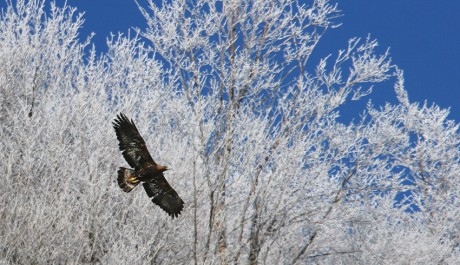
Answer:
(145, 169)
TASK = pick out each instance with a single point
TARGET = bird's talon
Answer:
(133, 180)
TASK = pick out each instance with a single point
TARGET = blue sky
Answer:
(423, 36)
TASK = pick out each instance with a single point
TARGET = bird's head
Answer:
(163, 168)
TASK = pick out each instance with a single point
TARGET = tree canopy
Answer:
(248, 121)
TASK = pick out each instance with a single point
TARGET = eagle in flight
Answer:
(145, 169)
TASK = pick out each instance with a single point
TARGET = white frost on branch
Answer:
(227, 94)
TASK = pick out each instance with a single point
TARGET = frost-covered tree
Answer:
(227, 94)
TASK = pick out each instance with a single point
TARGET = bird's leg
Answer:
(133, 180)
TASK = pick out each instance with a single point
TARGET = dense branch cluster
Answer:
(228, 94)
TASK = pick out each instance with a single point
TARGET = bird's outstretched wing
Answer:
(131, 143)
(164, 196)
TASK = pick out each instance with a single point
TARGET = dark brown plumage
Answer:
(145, 169)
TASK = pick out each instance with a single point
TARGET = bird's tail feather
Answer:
(126, 179)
